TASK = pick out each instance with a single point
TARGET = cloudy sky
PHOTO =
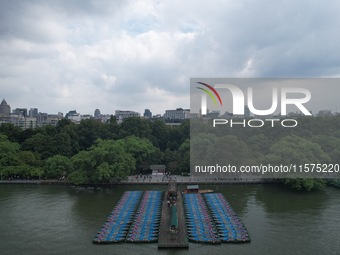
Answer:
(63, 55)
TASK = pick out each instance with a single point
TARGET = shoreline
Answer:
(155, 180)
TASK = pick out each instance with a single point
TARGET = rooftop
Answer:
(4, 102)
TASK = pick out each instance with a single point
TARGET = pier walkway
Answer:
(178, 239)
(172, 219)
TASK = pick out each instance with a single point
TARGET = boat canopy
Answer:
(174, 217)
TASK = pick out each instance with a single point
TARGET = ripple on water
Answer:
(57, 220)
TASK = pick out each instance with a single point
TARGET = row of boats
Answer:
(137, 215)
(118, 223)
(145, 227)
(200, 226)
(229, 226)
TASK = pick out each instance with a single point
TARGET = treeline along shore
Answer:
(102, 153)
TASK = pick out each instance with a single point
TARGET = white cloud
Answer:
(65, 55)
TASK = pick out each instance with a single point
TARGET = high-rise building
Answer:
(24, 122)
(97, 113)
(21, 112)
(121, 115)
(324, 113)
(5, 109)
(73, 116)
(214, 114)
(147, 114)
(33, 113)
(44, 119)
(178, 114)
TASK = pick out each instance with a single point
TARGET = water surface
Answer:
(43, 219)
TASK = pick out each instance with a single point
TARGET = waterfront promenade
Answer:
(155, 179)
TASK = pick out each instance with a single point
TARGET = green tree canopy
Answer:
(8, 151)
(135, 127)
(293, 149)
(102, 162)
(297, 150)
(57, 166)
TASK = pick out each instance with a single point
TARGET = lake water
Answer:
(42, 219)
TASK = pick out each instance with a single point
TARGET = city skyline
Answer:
(93, 113)
(62, 55)
(97, 112)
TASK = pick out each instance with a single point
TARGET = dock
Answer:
(172, 219)
(229, 226)
(201, 227)
(145, 226)
(119, 221)
(166, 238)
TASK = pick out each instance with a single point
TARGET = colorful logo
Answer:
(211, 89)
(239, 99)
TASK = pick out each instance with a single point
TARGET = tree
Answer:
(229, 150)
(177, 135)
(8, 153)
(40, 143)
(140, 148)
(111, 160)
(101, 163)
(293, 149)
(28, 158)
(298, 151)
(78, 177)
(113, 120)
(113, 128)
(68, 128)
(63, 123)
(184, 157)
(26, 134)
(330, 145)
(57, 166)
(89, 131)
(159, 133)
(14, 162)
(135, 127)
(178, 161)
(259, 144)
(171, 159)
(82, 166)
(307, 184)
(199, 145)
(48, 144)
(12, 132)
